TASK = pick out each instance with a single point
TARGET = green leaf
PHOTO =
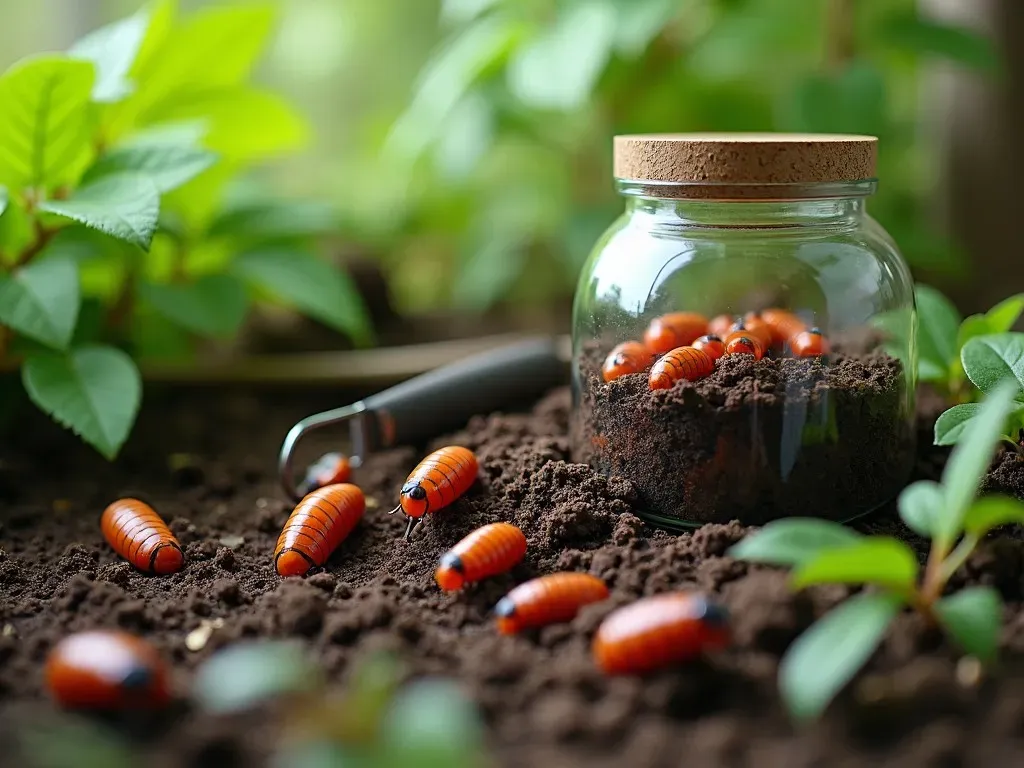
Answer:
(243, 124)
(971, 457)
(850, 101)
(248, 674)
(60, 741)
(950, 426)
(41, 300)
(991, 512)
(577, 46)
(94, 391)
(932, 38)
(639, 22)
(124, 205)
(179, 133)
(275, 221)
(875, 560)
(794, 541)
(167, 166)
(213, 305)
(432, 725)
(921, 507)
(311, 285)
(973, 617)
(112, 49)
(989, 360)
(825, 657)
(45, 121)
(938, 323)
(214, 48)
(490, 271)
(1004, 315)
(4, 198)
(452, 70)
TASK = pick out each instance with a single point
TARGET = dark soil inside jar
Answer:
(755, 440)
(544, 702)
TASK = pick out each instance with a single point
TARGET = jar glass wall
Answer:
(817, 421)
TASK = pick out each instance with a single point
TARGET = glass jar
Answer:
(804, 403)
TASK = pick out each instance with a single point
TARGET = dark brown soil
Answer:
(542, 698)
(755, 440)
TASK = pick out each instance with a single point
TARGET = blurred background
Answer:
(470, 140)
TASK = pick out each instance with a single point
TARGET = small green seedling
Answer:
(822, 660)
(988, 361)
(942, 337)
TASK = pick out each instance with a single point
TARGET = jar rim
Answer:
(739, 192)
(745, 159)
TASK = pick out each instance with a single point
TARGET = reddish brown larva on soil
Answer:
(655, 632)
(683, 363)
(785, 325)
(720, 325)
(809, 344)
(437, 481)
(739, 343)
(546, 600)
(139, 535)
(755, 328)
(329, 469)
(106, 670)
(315, 528)
(487, 551)
(676, 329)
(711, 345)
(627, 357)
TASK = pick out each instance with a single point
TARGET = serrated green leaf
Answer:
(932, 38)
(112, 49)
(94, 391)
(938, 323)
(45, 122)
(825, 657)
(248, 674)
(167, 166)
(921, 505)
(950, 426)
(274, 221)
(973, 617)
(311, 285)
(793, 541)
(432, 725)
(991, 512)
(971, 457)
(41, 300)
(125, 206)
(242, 124)
(878, 560)
(212, 305)
(577, 46)
(990, 360)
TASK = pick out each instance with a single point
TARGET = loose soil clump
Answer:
(755, 440)
(544, 702)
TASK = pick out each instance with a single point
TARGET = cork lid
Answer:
(738, 160)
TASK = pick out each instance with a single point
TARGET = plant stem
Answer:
(1017, 447)
(840, 24)
(42, 239)
(956, 559)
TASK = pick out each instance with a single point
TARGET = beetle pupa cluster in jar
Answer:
(744, 334)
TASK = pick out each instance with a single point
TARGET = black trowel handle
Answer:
(444, 399)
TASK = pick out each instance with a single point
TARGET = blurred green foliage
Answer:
(505, 143)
